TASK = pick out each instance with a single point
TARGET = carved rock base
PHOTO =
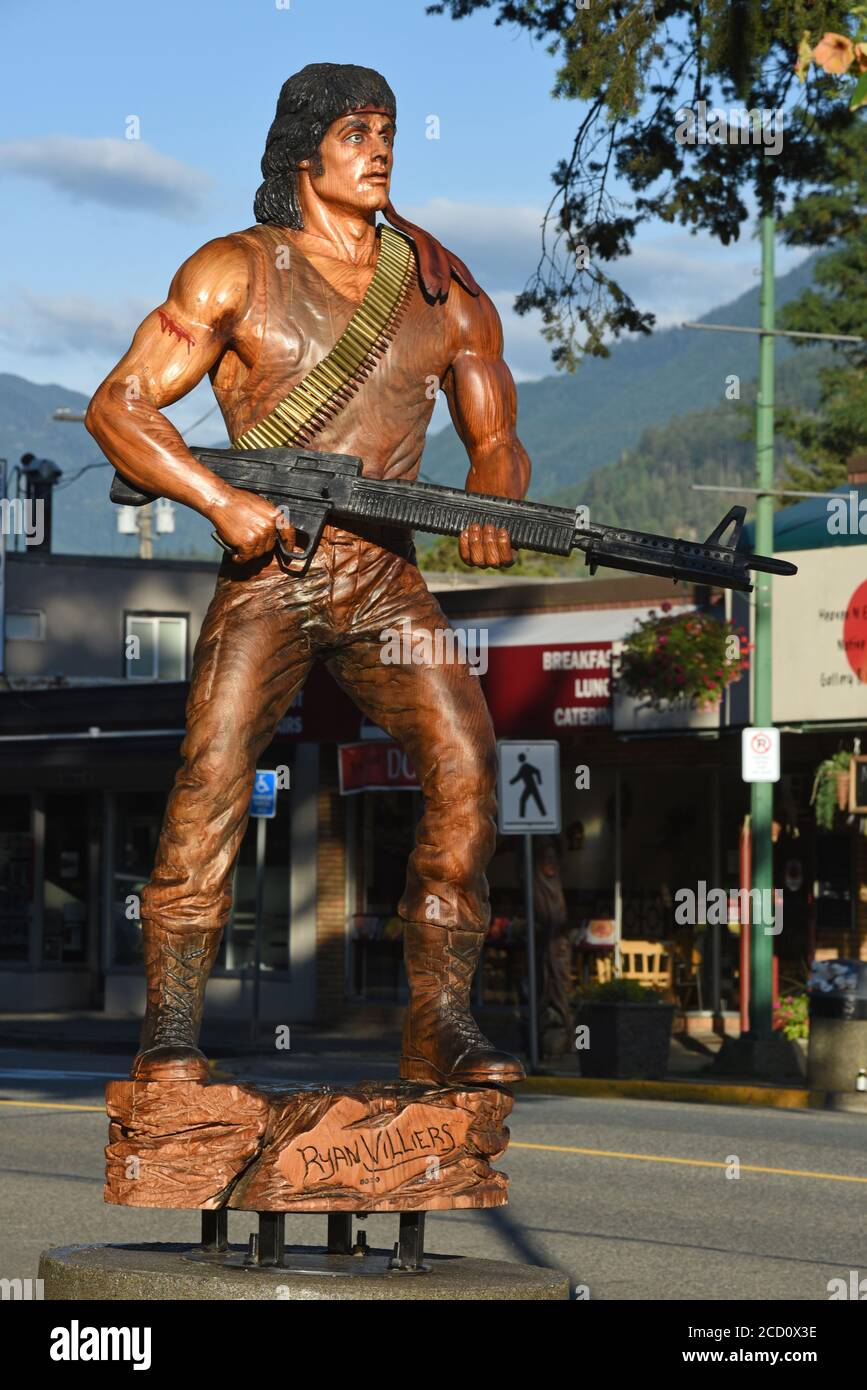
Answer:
(378, 1146)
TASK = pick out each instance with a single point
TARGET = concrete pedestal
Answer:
(161, 1272)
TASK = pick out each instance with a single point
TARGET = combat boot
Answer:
(441, 1041)
(177, 966)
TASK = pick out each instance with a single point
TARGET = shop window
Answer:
(138, 818)
(156, 647)
(16, 878)
(389, 836)
(240, 943)
(387, 826)
(66, 918)
(25, 625)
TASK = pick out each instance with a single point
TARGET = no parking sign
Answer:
(760, 755)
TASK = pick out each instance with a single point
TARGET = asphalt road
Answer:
(645, 1209)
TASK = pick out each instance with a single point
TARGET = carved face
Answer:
(548, 862)
(355, 162)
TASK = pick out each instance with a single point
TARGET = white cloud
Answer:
(49, 326)
(671, 273)
(499, 244)
(678, 276)
(126, 174)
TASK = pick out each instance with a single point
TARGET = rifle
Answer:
(318, 488)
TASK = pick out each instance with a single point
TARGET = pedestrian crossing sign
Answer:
(528, 793)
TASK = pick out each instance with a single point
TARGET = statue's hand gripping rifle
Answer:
(316, 488)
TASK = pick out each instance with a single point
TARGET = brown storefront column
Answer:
(331, 892)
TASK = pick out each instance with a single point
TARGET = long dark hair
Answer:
(309, 102)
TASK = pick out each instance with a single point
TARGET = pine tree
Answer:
(836, 213)
(636, 66)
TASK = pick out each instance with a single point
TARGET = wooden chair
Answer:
(648, 962)
(604, 967)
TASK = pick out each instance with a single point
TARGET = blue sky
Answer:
(95, 224)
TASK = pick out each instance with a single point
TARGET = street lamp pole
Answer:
(762, 793)
(761, 954)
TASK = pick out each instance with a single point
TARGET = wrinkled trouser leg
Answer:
(259, 639)
(438, 714)
(251, 658)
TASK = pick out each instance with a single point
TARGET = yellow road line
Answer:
(550, 1148)
(53, 1105)
(688, 1162)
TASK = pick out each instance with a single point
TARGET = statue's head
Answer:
(335, 122)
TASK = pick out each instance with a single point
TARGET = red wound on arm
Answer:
(168, 325)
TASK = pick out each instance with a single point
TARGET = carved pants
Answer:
(262, 633)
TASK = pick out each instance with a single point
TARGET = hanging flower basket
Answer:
(688, 658)
(831, 788)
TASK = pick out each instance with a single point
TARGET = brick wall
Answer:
(330, 892)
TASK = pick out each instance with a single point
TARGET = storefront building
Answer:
(89, 744)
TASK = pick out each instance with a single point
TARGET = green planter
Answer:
(626, 1041)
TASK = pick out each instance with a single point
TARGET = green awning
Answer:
(804, 526)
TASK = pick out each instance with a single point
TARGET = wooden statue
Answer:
(393, 313)
(555, 953)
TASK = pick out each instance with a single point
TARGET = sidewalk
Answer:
(371, 1047)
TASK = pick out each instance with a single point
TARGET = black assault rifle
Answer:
(315, 489)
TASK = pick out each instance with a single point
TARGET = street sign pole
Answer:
(528, 804)
(263, 807)
(261, 831)
(531, 953)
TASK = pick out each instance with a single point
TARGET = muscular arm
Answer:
(172, 350)
(481, 397)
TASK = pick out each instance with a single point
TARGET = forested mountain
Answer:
(626, 435)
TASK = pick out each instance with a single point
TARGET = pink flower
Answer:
(834, 53)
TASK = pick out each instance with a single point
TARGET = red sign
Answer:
(374, 766)
(855, 632)
(320, 712)
(545, 691)
(542, 691)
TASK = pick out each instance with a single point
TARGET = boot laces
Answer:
(457, 989)
(178, 1001)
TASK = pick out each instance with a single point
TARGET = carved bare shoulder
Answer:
(477, 326)
(212, 287)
